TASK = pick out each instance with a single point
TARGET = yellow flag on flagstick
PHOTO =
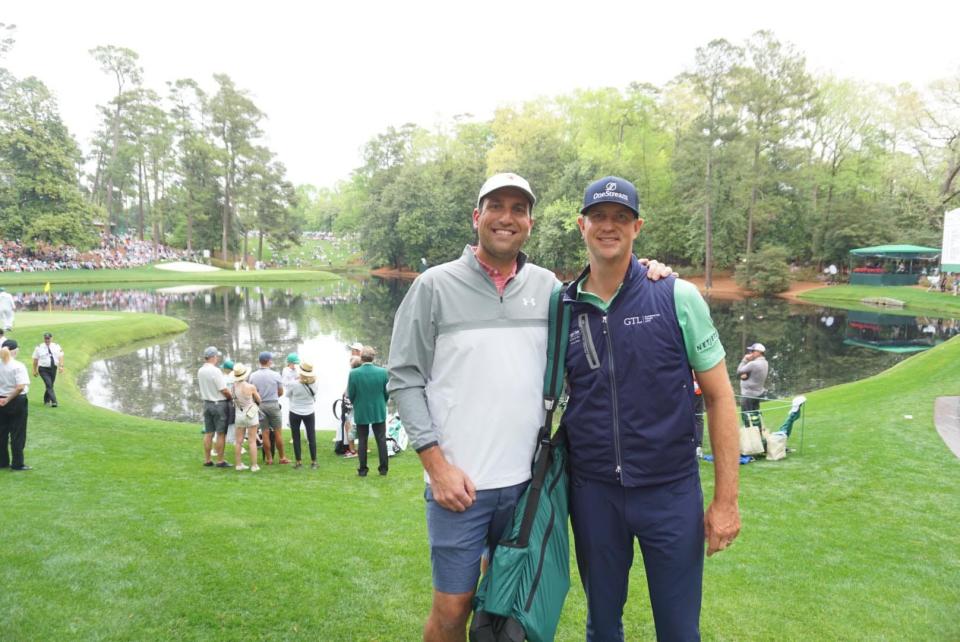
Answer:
(46, 288)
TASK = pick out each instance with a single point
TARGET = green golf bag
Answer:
(522, 593)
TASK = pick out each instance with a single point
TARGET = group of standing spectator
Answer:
(250, 402)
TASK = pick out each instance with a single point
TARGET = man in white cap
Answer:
(752, 371)
(466, 368)
(215, 396)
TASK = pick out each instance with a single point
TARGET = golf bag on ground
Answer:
(340, 439)
(397, 439)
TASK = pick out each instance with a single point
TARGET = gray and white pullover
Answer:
(466, 367)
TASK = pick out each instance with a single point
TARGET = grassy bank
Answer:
(917, 300)
(150, 275)
(120, 534)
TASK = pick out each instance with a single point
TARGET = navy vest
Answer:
(630, 417)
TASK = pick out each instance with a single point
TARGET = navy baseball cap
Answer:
(265, 356)
(611, 189)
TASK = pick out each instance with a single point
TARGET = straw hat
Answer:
(240, 372)
(305, 370)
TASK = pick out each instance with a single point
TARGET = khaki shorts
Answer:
(270, 416)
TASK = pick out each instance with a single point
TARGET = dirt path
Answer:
(724, 287)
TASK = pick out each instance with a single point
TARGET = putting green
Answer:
(34, 319)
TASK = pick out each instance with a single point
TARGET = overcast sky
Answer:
(330, 77)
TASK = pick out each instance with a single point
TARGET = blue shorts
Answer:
(459, 540)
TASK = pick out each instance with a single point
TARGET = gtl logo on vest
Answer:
(647, 318)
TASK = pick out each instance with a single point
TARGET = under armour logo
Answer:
(531, 301)
(611, 187)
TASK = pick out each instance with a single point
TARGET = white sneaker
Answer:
(254, 468)
(243, 467)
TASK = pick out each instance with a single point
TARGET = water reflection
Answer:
(808, 347)
(314, 321)
(895, 333)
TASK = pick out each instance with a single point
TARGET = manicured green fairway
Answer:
(152, 276)
(120, 534)
(917, 300)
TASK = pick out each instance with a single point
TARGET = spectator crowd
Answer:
(113, 252)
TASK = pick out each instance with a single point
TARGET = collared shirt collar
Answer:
(499, 278)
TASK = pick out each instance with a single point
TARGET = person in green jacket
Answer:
(367, 390)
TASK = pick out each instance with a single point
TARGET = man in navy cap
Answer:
(631, 429)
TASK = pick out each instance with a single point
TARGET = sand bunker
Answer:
(186, 266)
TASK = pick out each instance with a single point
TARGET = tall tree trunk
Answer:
(190, 227)
(826, 215)
(260, 245)
(121, 220)
(753, 197)
(140, 216)
(113, 158)
(225, 222)
(708, 223)
(95, 190)
(156, 215)
(227, 184)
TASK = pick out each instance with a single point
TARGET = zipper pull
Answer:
(618, 474)
(604, 322)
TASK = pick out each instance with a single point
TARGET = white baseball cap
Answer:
(759, 347)
(498, 181)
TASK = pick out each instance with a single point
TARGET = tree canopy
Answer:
(744, 152)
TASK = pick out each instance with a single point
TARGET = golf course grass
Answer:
(119, 533)
(916, 299)
(131, 277)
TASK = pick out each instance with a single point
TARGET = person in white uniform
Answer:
(7, 307)
(47, 362)
(14, 384)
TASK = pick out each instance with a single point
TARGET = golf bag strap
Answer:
(552, 387)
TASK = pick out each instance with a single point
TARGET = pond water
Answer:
(808, 347)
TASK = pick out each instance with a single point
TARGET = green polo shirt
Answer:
(700, 337)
